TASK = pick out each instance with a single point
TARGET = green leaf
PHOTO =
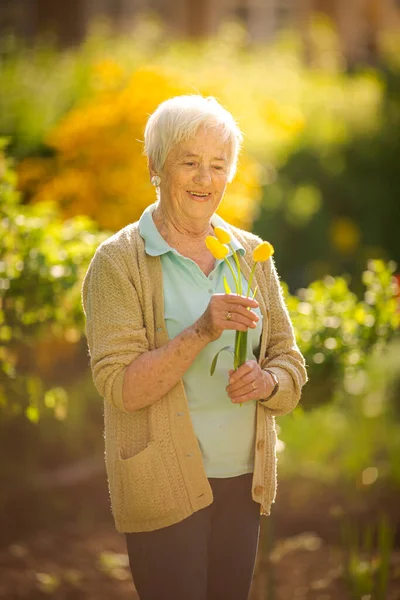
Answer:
(226, 286)
(215, 359)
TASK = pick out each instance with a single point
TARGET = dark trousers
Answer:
(208, 556)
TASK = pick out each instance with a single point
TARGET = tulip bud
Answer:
(263, 252)
(222, 235)
(217, 249)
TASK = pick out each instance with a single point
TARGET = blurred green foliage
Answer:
(367, 555)
(356, 437)
(42, 262)
(326, 141)
(30, 76)
(337, 200)
(337, 332)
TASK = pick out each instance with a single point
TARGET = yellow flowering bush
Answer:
(99, 168)
(306, 129)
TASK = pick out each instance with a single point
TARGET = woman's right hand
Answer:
(227, 311)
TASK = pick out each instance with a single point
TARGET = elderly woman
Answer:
(190, 458)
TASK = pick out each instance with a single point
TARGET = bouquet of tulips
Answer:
(219, 248)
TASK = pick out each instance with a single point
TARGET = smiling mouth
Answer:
(199, 194)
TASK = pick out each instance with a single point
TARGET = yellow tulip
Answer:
(263, 252)
(222, 235)
(217, 249)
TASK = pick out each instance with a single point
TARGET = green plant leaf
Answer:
(215, 359)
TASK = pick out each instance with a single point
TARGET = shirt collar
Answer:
(155, 244)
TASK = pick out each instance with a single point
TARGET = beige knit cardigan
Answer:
(154, 465)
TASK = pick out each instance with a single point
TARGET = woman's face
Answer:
(194, 176)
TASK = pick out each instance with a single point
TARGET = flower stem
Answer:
(234, 275)
(251, 279)
(240, 349)
(236, 357)
(235, 256)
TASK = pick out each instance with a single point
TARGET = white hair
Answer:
(178, 119)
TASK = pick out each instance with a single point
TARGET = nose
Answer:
(203, 175)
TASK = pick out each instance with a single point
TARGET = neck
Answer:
(180, 229)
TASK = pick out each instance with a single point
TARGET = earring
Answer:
(155, 180)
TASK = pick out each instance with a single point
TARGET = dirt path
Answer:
(299, 561)
(92, 564)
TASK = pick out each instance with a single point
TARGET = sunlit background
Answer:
(315, 87)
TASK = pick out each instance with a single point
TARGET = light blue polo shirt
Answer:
(225, 431)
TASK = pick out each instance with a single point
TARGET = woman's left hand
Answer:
(249, 382)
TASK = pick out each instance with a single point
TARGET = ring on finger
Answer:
(253, 386)
(228, 316)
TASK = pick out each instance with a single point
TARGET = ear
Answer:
(151, 168)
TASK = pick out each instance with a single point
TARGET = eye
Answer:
(218, 168)
(189, 164)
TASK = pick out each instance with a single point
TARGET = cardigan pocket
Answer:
(147, 494)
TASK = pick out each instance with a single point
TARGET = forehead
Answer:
(205, 142)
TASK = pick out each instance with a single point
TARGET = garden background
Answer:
(319, 178)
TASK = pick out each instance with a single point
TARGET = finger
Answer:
(241, 310)
(243, 382)
(235, 326)
(241, 315)
(241, 320)
(248, 385)
(235, 322)
(240, 399)
(243, 375)
(242, 390)
(242, 300)
(244, 386)
(217, 305)
(245, 394)
(244, 369)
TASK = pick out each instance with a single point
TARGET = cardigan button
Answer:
(258, 490)
(260, 444)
